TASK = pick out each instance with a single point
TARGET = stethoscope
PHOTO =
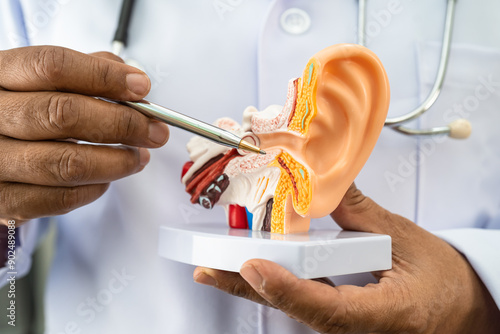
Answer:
(458, 129)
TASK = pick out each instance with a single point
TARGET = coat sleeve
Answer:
(481, 247)
(12, 25)
(27, 239)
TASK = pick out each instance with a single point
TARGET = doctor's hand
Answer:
(431, 288)
(46, 104)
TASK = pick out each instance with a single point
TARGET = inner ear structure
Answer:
(316, 144)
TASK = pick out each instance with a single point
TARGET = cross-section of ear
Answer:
(317, 142)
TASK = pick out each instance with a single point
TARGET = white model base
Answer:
(317, 253)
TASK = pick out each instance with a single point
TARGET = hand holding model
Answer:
(46, 103)
(422, 293)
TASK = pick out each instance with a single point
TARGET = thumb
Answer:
(357, 212)
(326, 309)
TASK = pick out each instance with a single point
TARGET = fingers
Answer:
(356, 212)
(229, 282)
(40, 177)
(23, 202)
(43, 68)
(345, 309)
(67, 164)
(360, 213)
(42, 116)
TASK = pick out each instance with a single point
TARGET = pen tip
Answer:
(250, 148)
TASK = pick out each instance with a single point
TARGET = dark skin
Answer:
(431, 287)
(46, 103)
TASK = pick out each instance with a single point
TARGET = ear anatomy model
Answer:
(316, 145)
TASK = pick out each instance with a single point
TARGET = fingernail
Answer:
(158, 133)
(144, 157)
(205, 279)
(252, 276)
(138, 83)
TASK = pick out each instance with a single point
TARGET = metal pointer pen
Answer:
(192, 125)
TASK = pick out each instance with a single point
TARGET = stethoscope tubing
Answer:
(443, 67)
(460, 129)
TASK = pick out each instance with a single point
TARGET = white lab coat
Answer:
(212, 58)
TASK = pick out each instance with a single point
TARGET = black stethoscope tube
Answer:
(121, 34)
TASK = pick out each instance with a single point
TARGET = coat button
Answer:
(295, 21)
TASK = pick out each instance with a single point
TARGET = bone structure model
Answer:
(316, 145)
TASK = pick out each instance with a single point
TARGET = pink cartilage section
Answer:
(227, 124)
(265, 125)
(248, 163)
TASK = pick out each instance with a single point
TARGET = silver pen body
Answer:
(187, 123)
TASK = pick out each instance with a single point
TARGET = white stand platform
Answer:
(318, 253)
